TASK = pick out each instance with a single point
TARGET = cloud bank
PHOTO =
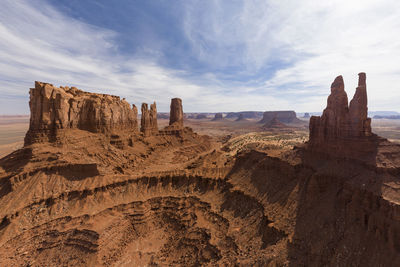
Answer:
(235, 55)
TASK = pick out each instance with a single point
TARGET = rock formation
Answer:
(218, 116)
(163, 115)
(240, 118)
(288, 116)
(148, 123)
(389, 117)
(54, 109)
(245, 114)
(340, 122)
(201, 116)
(176, 113)
(182, 199)
(306, 115)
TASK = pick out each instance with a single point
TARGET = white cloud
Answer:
(39, 43)
(318, 40)
(314, 40)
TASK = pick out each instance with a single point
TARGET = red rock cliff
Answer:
(54, 109)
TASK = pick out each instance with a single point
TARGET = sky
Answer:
(218, 56)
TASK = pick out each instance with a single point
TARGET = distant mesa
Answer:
(306, 115)
(288, 116)
(201, 116)
(245, 114)
(163, 115)
(388, 117)
(217, 117)
(241, 118)
(274, 124)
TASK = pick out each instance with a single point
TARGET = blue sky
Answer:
(215, 55)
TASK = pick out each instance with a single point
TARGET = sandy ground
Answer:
(12, 132)
(13, 129)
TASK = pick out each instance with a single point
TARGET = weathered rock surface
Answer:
(54, 109)
(339, 122)
(288, 116)
(148, 124)
(176, 113)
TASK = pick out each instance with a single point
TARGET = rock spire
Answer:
(340, 122)
(148, 125)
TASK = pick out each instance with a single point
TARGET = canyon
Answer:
(90, 187)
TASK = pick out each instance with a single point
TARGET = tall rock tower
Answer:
(176, 113)
(148, 123)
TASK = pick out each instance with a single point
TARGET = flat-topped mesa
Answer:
(218, 116)
(148, 123)
(176, 113)
(339, 122)
(285, 116)
(54, 109)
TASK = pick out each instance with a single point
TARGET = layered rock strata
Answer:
(148, 124)
(54, 109)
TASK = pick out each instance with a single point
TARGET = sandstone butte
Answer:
(176, 117)
(218, 116)
(90, 189)
(285, 116)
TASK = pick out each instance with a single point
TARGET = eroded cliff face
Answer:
(54, 109)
